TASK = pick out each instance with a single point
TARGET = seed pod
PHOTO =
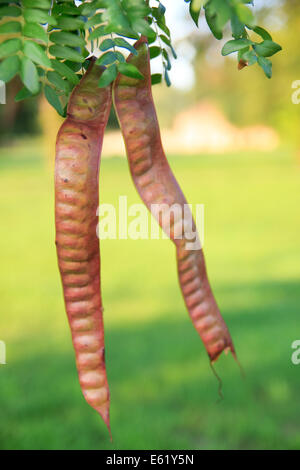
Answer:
(157, 185)
(78, 150)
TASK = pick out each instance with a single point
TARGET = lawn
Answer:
(163, 392)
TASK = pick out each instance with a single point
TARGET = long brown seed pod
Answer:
(156, 184)
(78, 150)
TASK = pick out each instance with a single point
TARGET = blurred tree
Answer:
(246, 96)
(17, 118)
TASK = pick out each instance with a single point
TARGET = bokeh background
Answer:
(233, 140)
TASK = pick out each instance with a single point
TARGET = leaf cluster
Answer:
(239, 15)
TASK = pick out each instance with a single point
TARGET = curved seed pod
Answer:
(160, 192)
(78, 149)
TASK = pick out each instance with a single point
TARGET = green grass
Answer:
(163, 392)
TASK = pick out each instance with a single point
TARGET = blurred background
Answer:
(233, 142)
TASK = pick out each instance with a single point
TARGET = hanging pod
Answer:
(78, 150)
(156, 185)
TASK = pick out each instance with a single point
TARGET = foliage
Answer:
(219, 12)
(48, 42)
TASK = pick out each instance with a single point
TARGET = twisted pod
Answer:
(157, 185)
(78, 150)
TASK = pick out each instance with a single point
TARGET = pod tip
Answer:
(105, 417)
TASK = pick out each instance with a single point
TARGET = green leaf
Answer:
(242, 52)
(266, 65)
(136, 9)
(154, 51)
(262, 33)
(58, 82)
(267, 48)
(85, 52)
(96, 33)
(75, 66)
(67, 39)
(106, 44)
(23, 94)
(120, 42)
(143, 27)
(162, 8)
(221, 11)
(166, 57)
(108, 76)
(195, 8)
(156, 78)
(115, 17)
(93, 21)
(29, 75)
(173, 52)
(9, 68)
(235, 45)
(107, 58)
(237, 27)
(69, 23)
(10, 27)
(10, 11)
(249, 56)
(65, 9)
(163, 27)
(53, 99)
(65, 71)
(212, 23)
(87, 9)
(129, 34)
(165, 39)
(9, 47)
(32, 15)
(130, 70)
(42, 4)
(34, 51)
(65, 52)
(244, 14)
(159, 15)
(167, 78)
(32, 30)
(119, 56)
